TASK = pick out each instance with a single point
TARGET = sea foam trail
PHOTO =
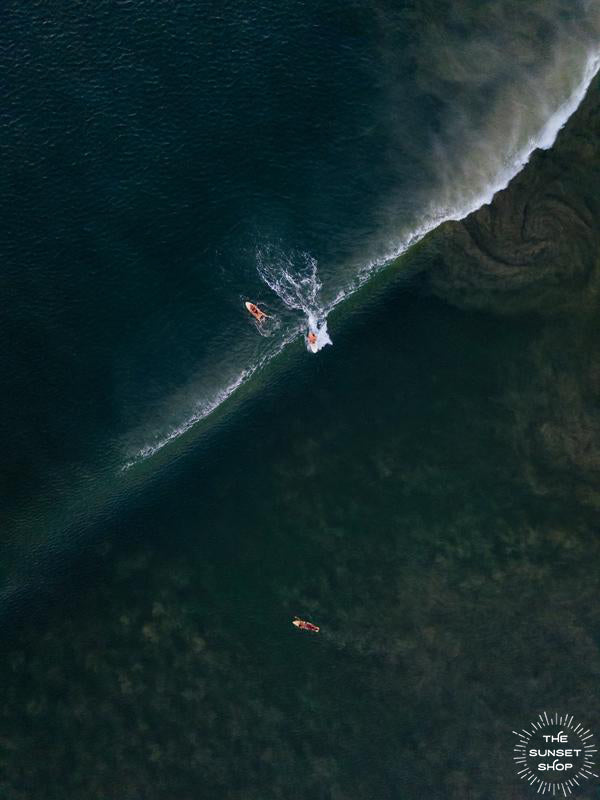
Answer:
(295, 280)
(293, 277)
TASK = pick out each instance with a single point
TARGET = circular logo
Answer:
(555, 755)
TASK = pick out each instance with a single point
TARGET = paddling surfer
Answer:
(258, 315)
(304, 625)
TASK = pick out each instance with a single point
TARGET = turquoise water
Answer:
(176, 487)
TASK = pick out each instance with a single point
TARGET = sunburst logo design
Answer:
(555, 755)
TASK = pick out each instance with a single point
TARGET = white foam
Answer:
(203, 412)
(209, 407)
(294, 278)
(319, 328)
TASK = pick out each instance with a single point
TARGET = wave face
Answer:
(279, 155)
(433, 142)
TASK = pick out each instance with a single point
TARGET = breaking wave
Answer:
(293, 276)
(203, 411)
(453, 205)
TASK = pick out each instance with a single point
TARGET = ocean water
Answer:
(177, 481)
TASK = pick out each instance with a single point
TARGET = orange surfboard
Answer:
(304, 625)
(255, 311)
(311, 342)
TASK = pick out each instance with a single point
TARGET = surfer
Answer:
(311, 339)
(258, 315)
(304, 625)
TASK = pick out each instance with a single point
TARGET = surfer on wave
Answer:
(317, 336)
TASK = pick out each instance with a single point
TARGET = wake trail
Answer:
(293, 277)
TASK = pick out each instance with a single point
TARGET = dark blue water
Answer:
(152, 155)
(162, 163)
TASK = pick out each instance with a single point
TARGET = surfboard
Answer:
(304, 625)
(255, 311)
